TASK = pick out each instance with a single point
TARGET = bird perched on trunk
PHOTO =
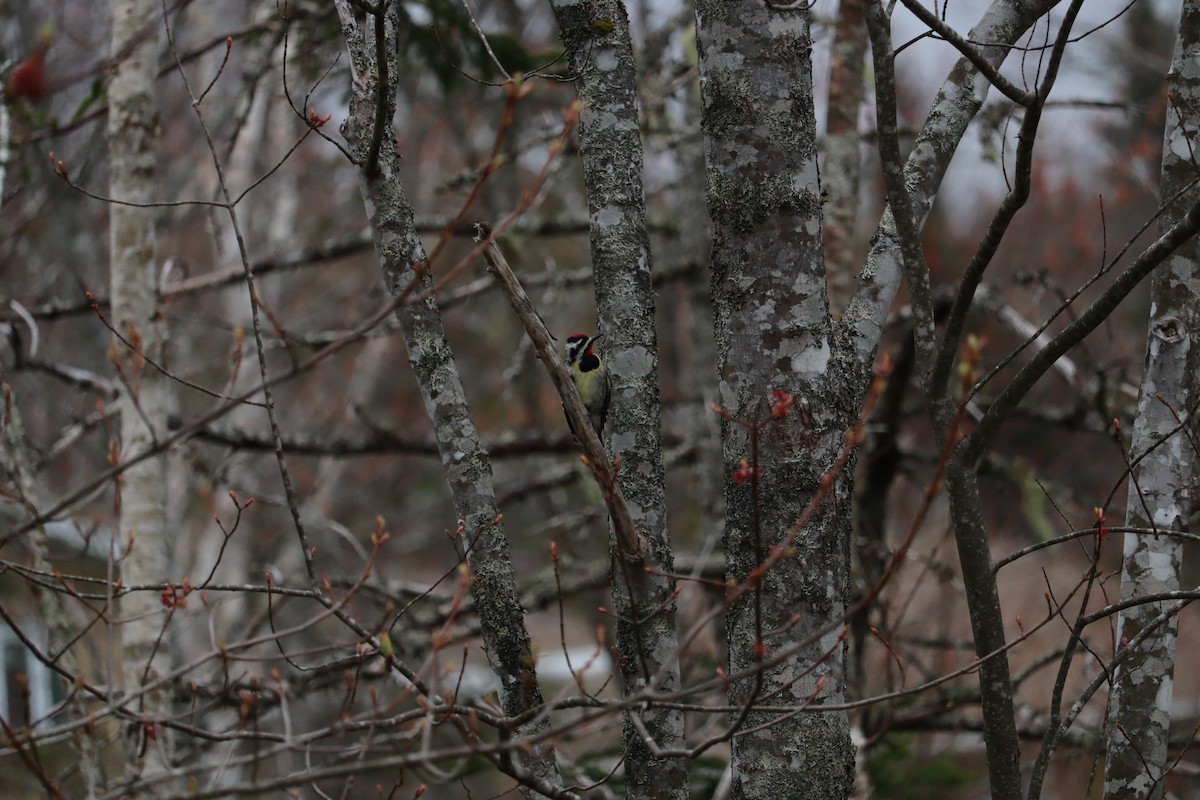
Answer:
(590, 377)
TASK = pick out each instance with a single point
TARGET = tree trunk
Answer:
(368, 131)
(773, 332)
(1163, 484)
(133, 131)
(843, 156)
(601, 58)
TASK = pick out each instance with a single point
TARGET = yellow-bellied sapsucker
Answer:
(590, 377)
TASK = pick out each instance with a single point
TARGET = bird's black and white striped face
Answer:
(577, 346)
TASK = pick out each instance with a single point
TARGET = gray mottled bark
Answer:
(773, 331)
(596, 35)
(133, 131)
(369, 133)
(1162, 487)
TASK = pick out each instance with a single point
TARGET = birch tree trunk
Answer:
(133, 130)
(369, 133)
(601, 59)
(1162, 487)
(774, 332)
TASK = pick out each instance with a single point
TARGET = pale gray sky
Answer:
(1066, 142)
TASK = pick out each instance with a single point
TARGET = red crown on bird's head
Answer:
(577, 339)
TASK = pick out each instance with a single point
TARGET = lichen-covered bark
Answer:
(465, 462)
(773, 331)
(960, 98)
(133, 131)
(1162, 488)
(596, 35)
